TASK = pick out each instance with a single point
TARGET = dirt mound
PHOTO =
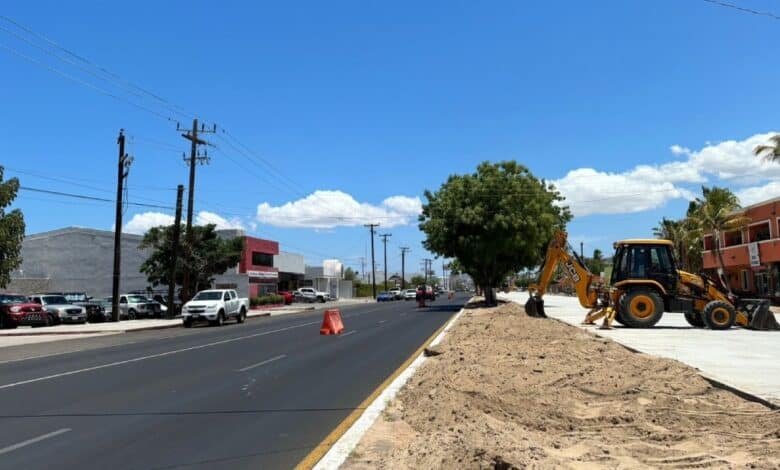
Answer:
(510, 391)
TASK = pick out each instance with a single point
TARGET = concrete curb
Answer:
(339, 451)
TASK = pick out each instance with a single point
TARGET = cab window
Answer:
(226, 296)
(123, 300)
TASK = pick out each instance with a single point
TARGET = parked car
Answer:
(154, 307)
(96, 313)
(16, 309)
(396, 293)
(288, 296)
(385, 297)
(310, 294)
(410, 294)
(215, 306)
(163, 300)
(62, 310)
(132, 307)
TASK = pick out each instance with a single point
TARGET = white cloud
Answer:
(141, 223)
(752, 195)
(329, 209)
(590, 191)
(205, 218)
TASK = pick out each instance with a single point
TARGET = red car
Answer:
(288, 297)
(16, 309)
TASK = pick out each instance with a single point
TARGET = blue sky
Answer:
(373, 102)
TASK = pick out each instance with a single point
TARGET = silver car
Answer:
(62, 310)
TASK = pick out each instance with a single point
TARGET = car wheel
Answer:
(187, 322)
(220, 319)
(241, 315)
(131, 314)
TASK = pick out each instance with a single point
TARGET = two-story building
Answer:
(751, 256)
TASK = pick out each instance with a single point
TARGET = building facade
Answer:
(751, 257)
(291, 269)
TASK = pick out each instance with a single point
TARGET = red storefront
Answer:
(257, 262)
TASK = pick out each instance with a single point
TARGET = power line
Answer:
(744, 9)
(91, 198)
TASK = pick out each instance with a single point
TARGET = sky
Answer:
(331, 115)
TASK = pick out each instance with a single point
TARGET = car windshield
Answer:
(208, 295)
(136, 299)
(383, 293)
(54, 299)
(13, 299)
(411, 291)
(76, 297)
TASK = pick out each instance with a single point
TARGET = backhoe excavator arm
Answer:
(558, 254)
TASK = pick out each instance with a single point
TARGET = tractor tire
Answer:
(719, 315)
(694, 319)
(619, 318)
(641, 308)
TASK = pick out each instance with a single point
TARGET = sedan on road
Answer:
(410, 294)
(385, 297)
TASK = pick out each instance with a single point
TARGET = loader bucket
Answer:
(759, 315)
(534, 307)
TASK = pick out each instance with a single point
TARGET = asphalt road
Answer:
(257, 395)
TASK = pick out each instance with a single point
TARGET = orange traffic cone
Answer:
(331, 322)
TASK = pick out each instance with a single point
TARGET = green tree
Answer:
(495, 221)
(769, 151)
(11, 230)
(596, 263)
(207, 257)
(349, 274)
(715, 213)
(417, 279)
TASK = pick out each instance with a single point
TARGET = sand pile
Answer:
(512, 391)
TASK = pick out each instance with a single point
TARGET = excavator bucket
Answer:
(758, 314)
(534, 307)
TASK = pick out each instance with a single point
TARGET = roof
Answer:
(82, 230)
(643, 241)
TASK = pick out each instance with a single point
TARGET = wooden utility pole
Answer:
(123, 169)
(174, 254)
(194, 159)
(384, 237)
(404, 250)
(371, 228)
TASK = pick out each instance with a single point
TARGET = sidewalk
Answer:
(744, 359)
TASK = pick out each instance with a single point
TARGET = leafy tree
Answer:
(495, 221)
(596, 263)
(11, 230)
(207, 257)
(771, 150)
(716, 213)
(349, 274)
(417, 279)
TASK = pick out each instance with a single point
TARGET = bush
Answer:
(271, 299)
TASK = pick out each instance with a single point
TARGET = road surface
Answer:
(257, 395)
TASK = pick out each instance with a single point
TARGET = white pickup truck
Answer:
(215, 306)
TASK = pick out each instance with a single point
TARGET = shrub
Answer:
(271, 299)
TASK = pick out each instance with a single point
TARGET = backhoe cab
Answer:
(645, 283)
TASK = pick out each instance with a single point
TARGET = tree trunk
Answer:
(490, 297)
(721, 264)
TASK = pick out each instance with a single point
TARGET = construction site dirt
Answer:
(510, 391)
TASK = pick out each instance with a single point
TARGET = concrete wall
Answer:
(79, 259)
(289, 263)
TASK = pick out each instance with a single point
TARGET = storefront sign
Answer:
(263, 274)
(755, 260)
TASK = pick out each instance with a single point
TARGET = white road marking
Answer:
(267, 361)
(8, 449)
(382, 321)
(152, 356)
(348, 333)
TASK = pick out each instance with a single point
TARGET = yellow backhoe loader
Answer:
(645, 283)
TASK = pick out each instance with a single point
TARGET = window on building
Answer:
(744, 278)
(762, 283)
(708, 245)
(733, 238)
(262, 259)
(759, 232)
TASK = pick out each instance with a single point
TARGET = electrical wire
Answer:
(743, 9)
(91, 198)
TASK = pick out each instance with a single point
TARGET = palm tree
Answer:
(771, 150)
(716, 213)
(675, 231)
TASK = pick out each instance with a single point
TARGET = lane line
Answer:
(152, 356)
(348, 333)
(12, 448)
(382, 321)
(267, 361)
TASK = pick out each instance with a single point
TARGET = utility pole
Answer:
(384, 237)
(194, 158)
(582, 253)
(363, 267)
(404, 250)
(427, 263)
(122, 171)
(174, 253)
(371, 228)
(443, 275)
